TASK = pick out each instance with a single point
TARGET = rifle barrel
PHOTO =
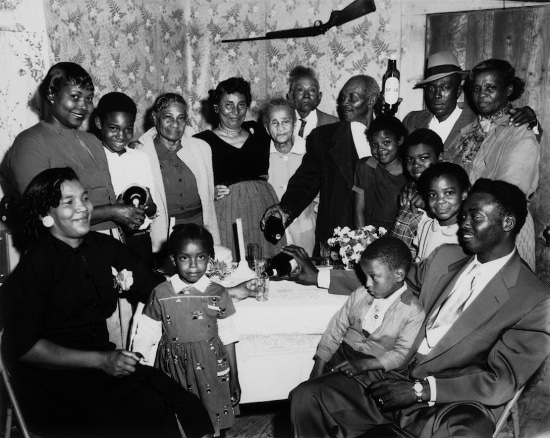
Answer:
(238, 40)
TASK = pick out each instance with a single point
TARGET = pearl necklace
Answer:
(229, 132)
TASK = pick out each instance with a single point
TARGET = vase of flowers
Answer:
(350, 244)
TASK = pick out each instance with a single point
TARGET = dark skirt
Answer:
(247, 200)
(91, 403)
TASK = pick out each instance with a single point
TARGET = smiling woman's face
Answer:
(70, 106)
(232, 110)
(171, 122)
(71, 218)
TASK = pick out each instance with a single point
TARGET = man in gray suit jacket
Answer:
(484, 336)
(305, 94)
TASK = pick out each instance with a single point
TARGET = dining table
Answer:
(278, 338)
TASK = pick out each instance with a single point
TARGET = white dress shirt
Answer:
(362, 145)
(311, 123)
(444, 128)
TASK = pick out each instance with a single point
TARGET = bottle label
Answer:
(391, 90)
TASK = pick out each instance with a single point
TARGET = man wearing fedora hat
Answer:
(442, 87)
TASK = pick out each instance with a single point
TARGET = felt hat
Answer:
(439, 65)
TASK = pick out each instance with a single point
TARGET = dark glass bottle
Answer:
(274, 229)
(281, 265)
(390, 87)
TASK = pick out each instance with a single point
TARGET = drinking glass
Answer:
(253, 253)
(324, 251)
(262, 287)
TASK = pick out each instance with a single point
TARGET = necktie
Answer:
(452, 307)
(302, 126)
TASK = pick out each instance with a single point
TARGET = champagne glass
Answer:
(253, 253)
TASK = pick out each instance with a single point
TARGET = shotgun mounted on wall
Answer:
(354, 10)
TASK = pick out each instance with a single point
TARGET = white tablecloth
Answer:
(278, 338)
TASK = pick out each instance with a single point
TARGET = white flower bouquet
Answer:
(350, 244)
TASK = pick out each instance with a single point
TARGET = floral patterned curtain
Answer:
(146, 47)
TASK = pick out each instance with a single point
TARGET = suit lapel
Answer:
(487, 303)
(423, 120)
(466, 117)
(434, 300)
(343, 152)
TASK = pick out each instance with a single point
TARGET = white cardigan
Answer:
(197, 155)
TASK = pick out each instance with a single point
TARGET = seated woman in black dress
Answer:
(240, 157)
(69, 379)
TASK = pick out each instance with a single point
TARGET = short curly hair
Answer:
(503, 68)
(423, 136)
(509, 198)
(390, 251)
(65, 73)
(443, 168)
(274, 103)
(165, 100)
(230, 86)
(299, 72)
(115, 102)
(42, 194)
(389, 123)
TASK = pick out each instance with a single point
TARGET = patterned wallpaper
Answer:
(145, 47)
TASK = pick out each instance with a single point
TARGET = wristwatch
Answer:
(418, 388)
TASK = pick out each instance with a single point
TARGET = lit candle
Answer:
(240, 238)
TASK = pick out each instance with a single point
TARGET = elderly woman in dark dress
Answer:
(491, 147)
(69, 379)
(240, 157)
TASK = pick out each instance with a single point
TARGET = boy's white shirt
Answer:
(149, 331)
(129, 168)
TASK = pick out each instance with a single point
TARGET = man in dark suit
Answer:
(442, 87)
(304, 92)
(487, 331)
(328, 167)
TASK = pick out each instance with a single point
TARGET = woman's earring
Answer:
(47, 221)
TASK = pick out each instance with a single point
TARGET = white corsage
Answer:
(123, 280)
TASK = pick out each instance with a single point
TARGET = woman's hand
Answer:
(127, 215)
(220, 191)
(119, 363)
